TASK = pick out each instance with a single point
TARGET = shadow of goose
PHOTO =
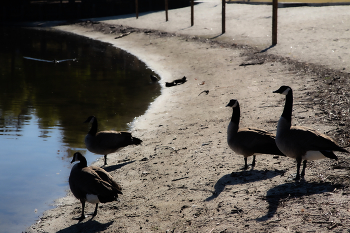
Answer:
(88, 226)
(242, 177)
(117, 166)
(288, 190)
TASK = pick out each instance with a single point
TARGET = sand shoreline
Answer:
(180, 179)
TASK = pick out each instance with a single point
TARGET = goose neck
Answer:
(236, 114)
(93, 129)
(288, 107)
(83, 162)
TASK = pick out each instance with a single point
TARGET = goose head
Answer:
(233, 103)
(284, 90)
(90, 119)
(78, 157)
(236, 112)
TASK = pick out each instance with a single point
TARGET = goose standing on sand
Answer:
(248, 141)
(106, 142)
(301, 143)
(91, 184)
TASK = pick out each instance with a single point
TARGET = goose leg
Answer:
(253, 163)
(105, 159)
(245, 163)
(303, 171)
(82, 211)
(298, 169)
(95, 212)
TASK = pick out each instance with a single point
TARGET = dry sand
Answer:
(184, 177)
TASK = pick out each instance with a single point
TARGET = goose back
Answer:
(299, 140)
(106, 142)
(250, 141)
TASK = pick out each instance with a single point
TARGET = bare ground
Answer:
(184, 177)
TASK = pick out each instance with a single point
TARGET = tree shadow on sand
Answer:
(292, 190)
(242, 177)
(88, 226)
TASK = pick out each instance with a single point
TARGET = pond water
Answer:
(42, 108)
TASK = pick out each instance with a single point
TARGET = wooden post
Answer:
(223, 16)
(137, 8)
(274, 21)
(166, 10)
(192, 13)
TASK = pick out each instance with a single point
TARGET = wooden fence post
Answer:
(137, 8)
(223, 16)
(166, 10)
(274, 21)
(192, 13)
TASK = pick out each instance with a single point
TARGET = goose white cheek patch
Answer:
(286, 91)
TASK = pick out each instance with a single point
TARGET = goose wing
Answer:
(105, 176)
(88, 181)
(113, 140)
(312, 140)
(258, 141)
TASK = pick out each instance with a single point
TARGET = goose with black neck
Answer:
(91, 184)
(107, 142)
(301, 143)
(248, 141)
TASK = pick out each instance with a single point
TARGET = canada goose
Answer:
(91, 184)
(248, 141)
(154, 78)
(176, 82)
(106, 142)
(180, 80)
(301, 143)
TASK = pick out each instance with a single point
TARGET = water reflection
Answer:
(43, 105)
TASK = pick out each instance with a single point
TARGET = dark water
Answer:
(42, 108)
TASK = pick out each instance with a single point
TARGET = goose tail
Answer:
(136, 141)
(343, 150)
(329, 154)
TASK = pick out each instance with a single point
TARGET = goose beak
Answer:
(73, 160)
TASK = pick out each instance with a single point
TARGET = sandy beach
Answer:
(184, 177)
